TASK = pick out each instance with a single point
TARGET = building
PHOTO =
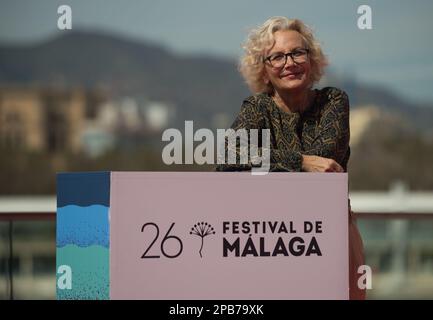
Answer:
(42, 119)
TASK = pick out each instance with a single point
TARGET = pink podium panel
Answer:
(228, 235)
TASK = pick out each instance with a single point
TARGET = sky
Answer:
(396, 53)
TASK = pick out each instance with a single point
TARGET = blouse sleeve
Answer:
(332, 138)
(250, 117)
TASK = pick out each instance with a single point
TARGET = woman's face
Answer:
(292, 75)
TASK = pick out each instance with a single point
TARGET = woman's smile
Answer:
(291, 75)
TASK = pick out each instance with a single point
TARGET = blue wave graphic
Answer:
(83, 226)
(83, 188)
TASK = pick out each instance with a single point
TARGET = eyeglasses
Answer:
(279, 59)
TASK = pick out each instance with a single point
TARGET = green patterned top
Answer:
(321, 130)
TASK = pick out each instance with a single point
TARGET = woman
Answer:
(309, 127)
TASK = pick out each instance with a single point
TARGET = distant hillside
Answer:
(388, 132)
(420, 116)
(199, 86)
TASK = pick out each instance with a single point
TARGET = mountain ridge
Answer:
(198, 85)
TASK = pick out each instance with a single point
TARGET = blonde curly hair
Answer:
(251, 64)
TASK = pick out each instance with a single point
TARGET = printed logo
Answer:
(202, 229)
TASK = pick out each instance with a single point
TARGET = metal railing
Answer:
(11, 217)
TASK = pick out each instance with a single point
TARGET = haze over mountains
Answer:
(391, 137)
(198, 86)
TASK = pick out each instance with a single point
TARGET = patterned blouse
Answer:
(321, 130)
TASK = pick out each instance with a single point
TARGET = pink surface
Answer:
(186, 198)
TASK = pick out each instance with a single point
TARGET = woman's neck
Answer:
(294, 102)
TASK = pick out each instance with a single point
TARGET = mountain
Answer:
(199, 86)
(361, 94)
(388, 130)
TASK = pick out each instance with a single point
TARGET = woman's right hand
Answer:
(320, 164)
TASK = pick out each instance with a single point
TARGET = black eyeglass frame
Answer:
(268, 59)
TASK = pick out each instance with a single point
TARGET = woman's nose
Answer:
(289, 62)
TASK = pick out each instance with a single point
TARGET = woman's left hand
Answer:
(320, 164)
